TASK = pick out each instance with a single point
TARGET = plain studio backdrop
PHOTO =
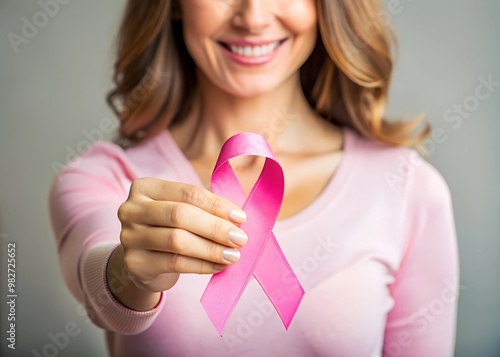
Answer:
(53, 79)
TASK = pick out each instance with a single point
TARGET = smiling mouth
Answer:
(253, 51)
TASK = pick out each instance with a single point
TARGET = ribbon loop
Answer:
(261, 256)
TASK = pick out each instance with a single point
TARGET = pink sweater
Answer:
(376, 254)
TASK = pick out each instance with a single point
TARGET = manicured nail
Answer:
(219, 267)
(238, 237)
(237, 216)
(231, 255)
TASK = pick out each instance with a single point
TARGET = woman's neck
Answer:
(282, 116)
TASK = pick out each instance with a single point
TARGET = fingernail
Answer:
(231, 255)
(219, 267)
(238, 237)
(237, 216)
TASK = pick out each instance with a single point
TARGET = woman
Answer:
(366, 224)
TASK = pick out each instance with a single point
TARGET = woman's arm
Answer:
(122, 241)
(83, 204)
(422, 322)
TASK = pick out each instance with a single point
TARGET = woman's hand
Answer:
(170, 228)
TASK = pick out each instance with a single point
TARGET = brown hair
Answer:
(346, 78)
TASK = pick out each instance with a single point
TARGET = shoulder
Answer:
(400, 169)
(103, 161)
(107, 167)
(108, 161)
(98, 176)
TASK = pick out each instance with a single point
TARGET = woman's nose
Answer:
(253, 15)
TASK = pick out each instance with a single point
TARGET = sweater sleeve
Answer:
(426, 287)
(83, 203)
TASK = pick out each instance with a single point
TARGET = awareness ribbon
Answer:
(261, 256)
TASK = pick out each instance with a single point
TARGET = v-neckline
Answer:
(186, 173)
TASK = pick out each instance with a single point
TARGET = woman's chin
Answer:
(251, 88)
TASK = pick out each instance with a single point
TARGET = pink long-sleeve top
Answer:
(376, 254)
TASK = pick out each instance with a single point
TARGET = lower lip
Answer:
(252, 61)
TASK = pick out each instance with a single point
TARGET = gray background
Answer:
(53, 89)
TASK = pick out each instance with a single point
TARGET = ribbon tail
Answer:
(220, 306)
(278, 281)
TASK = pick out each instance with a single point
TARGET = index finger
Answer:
(161, 190)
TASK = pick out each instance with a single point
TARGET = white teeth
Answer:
(254, 51)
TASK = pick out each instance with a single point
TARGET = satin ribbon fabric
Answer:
(261, 256)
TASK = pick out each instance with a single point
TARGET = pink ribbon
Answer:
(261, 256)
